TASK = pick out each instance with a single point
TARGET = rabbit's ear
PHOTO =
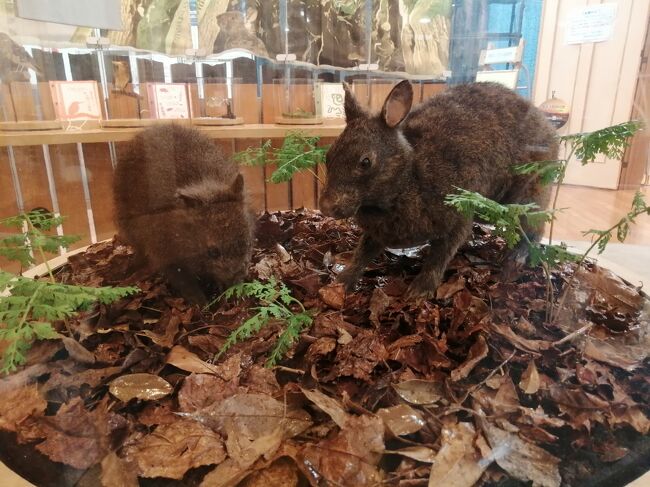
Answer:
(352, 108)
(397, 104)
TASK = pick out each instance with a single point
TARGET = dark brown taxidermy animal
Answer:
(181, 204)
(392, 171)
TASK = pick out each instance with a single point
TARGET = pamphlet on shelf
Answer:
(168, 100)
(76, 100)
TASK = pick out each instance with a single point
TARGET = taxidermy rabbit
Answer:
(391, 171)
(181, 204)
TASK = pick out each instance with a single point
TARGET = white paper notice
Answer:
(590, 24)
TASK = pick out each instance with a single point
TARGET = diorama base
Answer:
(217, 121)
(31, 125)
(298, 121)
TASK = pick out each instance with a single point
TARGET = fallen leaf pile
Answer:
(475, 387)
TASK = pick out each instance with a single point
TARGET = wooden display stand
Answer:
(141, 122)
(31, 125)
(299, 121)
(217, 121)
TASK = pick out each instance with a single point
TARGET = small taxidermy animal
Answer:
(181, 204)
(391, 171)
(122, 78)
(15, 60)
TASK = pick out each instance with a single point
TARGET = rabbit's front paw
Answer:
(349, 277)
(424, 286)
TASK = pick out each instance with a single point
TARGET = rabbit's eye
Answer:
(365, 163)
(214, 253)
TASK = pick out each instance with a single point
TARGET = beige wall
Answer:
(597, 80)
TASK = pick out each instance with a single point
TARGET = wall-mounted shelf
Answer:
(247, 131)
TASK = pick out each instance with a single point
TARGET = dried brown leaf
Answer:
(171, 450)
(522, 459)
(147, 387)
(457, 463)
(449, 288)
(117, 473)
(251, 416)
(477, 352)
(401, 419)
(169, 323)
(616, 353)
(520, 342)
(331, 406)
(351, 457)
(203, 390)
(420, 392)
(333, 295)
(419, 453)
(576, 398)
(75, 436)
(77, 351)
(281, 473)
(182, 358)
(242, 456)
(529, 382)
(358, 358)
(18, 404)
(379, 302)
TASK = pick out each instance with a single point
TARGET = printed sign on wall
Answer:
(591, 24)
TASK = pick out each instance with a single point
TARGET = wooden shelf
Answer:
(247, 131)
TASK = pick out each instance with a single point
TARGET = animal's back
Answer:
(158, 161)
(477, 132)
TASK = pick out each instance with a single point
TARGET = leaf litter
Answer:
(473, 387)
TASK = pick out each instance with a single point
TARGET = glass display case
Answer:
(295, 101)
(215, 101)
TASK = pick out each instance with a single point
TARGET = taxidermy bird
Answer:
(121, 78)
(15, 60)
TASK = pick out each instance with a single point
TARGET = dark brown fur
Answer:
(469, 137)
(180, 203)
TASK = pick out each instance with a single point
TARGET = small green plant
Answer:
(585, 146)
(31, 236)
(27, 306)
(508, 223)
(275, 301)
(298, 152)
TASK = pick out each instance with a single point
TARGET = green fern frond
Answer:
(610, 142)
(298, 152)
(548, 171)
(274, 300)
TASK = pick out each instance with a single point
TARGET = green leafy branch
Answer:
(508, 223)
(507, 220)
(298, 152)
(27, 306)
(275, 300)
(610, 142)
(31, 237)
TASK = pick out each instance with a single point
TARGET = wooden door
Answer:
(636, 162)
